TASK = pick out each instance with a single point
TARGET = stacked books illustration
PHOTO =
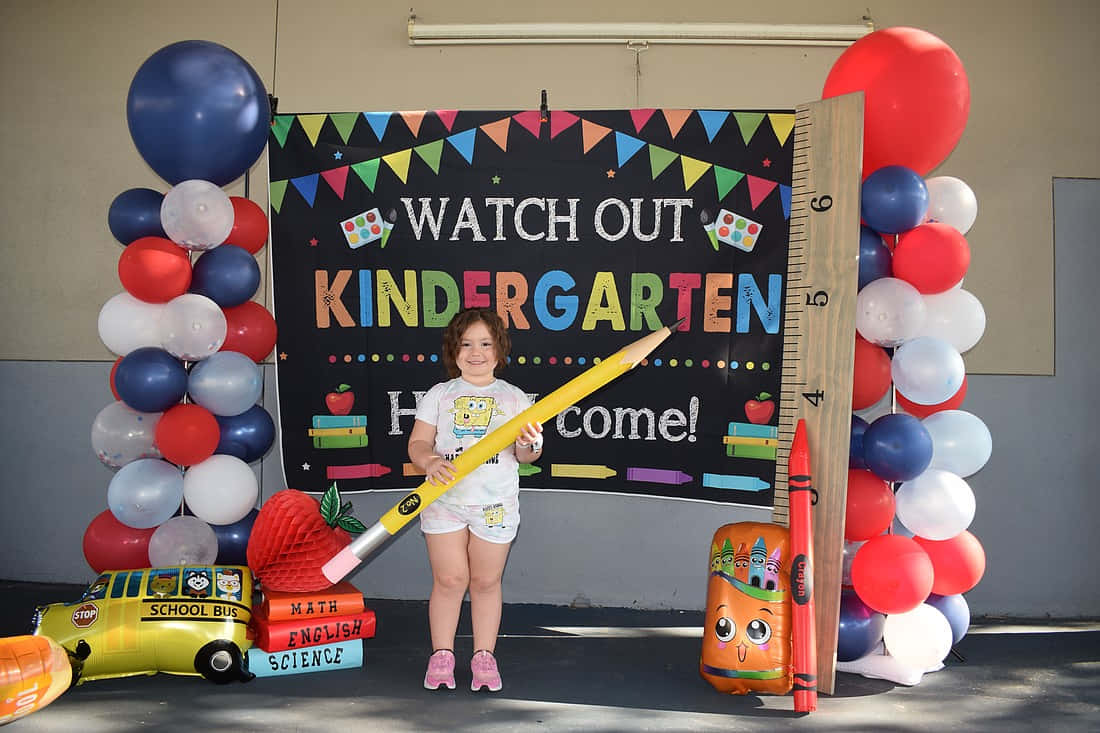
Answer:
(339, 431)
(297, 633)
(746, 440)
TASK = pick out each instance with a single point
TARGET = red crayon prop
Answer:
(803, 630)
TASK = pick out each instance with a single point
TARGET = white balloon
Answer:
(952, 202)
(220, 490)
(961, 442)
(196, 214)
(927, 370)
(121, 434)
(956, 316)
(126, 323)
(192, 327)
(889, 311)
(920, 638)
(183, 541)
(936, 505)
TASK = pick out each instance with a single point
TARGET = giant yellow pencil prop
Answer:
(568, 394)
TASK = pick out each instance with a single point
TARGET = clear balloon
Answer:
(920, 638)
(227, 383)
(192, 327)
(183, 540)
(889, 312)
(127, 323)
(955, 316)
(121, 434)
(221, 489)
(952, 202)
(196, 214)
(145, 493)
(961, 442)
(927, 370)
(936, 505)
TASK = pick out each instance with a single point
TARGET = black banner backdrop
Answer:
(585, 230)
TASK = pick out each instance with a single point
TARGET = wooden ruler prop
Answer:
(819, 333)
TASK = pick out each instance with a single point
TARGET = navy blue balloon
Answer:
(196, 109)
(897, 447)
(860, 628)
(893, 199)
(150, 379)
(855, 447)
(247, 436)
(233, 539)
(228, 275)
(957, 611)
(135, 213)
(875, 259)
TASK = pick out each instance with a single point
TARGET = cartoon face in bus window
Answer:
(228, 583)
(98, 589)
(164, 583)
(196, 583)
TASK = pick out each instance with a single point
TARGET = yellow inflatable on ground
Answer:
(34, 671)
(180, 620)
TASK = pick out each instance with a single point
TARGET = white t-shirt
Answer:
(462, 414)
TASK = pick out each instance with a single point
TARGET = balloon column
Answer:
(186, 422)
(908, 555)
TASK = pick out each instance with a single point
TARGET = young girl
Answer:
(470, 529)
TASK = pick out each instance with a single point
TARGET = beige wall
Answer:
(65, 68)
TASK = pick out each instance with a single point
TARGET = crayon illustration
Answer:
(741, 563)
(728, 557)
(756, 562)
(771, 571)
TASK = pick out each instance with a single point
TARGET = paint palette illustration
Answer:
(736, 230)
(363, 228)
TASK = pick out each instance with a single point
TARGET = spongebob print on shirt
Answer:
(472, 415)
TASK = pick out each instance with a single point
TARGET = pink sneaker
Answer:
(441, 670)
(483, 665)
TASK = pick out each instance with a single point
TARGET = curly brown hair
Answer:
(452, 337)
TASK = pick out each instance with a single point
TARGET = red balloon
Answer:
(111, 545)
(870, 374)
(931, 257)
(916, 97)
(154, 269)
(892, 573)
(870, 506)
(187, 434)
(250, 329)
(114, 368)
(249, 225)
(958, 563)
(922, 411)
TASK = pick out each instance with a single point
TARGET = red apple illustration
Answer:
(759, 411)
(340, 402)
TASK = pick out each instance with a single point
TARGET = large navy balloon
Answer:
(135, 213)
(897, 447)
(150, 379)
(197, 110)
(893, 199)
(228, 275)
(874, 257)
(247, 435)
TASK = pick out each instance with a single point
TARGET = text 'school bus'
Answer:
(181, 620)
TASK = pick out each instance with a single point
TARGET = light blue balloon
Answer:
(145, 493)
(226, 383)
(927, 370)
(961, 442)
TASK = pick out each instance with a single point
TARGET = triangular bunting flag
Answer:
(675, 118)
(659, 159)
(712, 122)
(785, 197)
(463, 142)
(640, 117)
(367, 172)
(529, 120)
(413, 120)
(592, 133)
(399, 163)
(307, 186)
(280, 127)
(693, 169)
(782, 124)
(378, 122)
(561, 120)
(345, 123)
(430, 154)
(275, 192)
(447, 117)
(498, 132)
(726, 179)
(312, 125)
(627, 146)
(759, 190)
(748, 122)
(337, 179)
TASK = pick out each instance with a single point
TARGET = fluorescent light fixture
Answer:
(758, 34)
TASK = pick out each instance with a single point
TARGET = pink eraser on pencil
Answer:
(340, 565)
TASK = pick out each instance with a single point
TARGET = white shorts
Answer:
(497, 522)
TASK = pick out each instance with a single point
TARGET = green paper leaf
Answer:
(351, 524)
(330, 505)
(343, 388)
(763, 396)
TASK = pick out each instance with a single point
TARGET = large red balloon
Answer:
(916, 97)
(250, 329)
(870, 374)
(892, 573)
(111, 545)
(187, 434)
(958, 563)
(249, 225)
(922, 411)
(870, 506)
(931, 257)
(154, 269)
